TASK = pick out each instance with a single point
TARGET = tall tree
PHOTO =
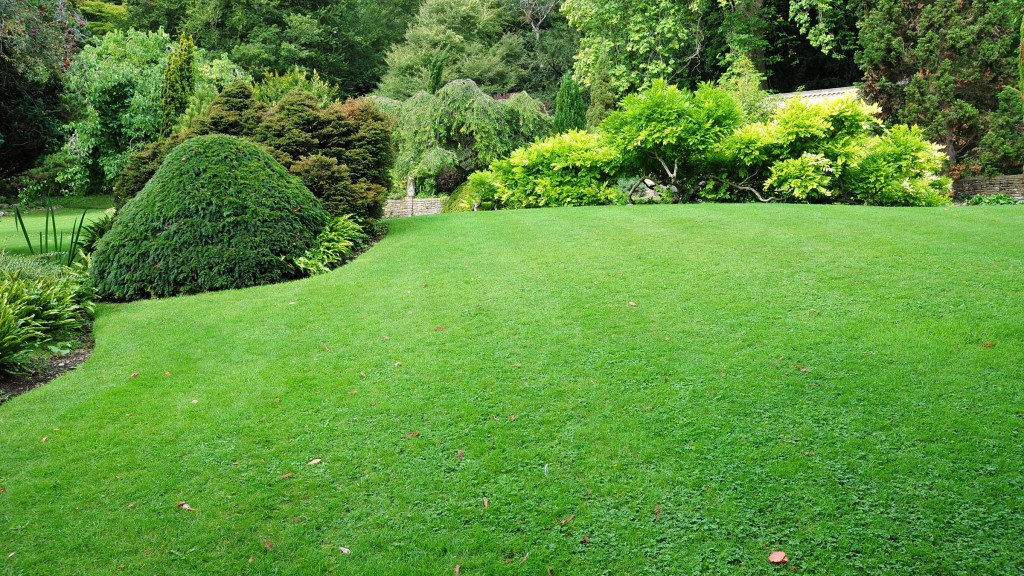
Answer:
(179, 82)
(939, 64)
(475, 36)
(640, 41)
(570, 109)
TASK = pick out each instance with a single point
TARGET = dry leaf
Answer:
(461, 456)
(397, 364)
(2, 489)
(362, 374)
(778, 557)
(134, 374)
(286, 475)
(586, 539)
(131, 505)
(44, 438)
(657, 512)
(987, 345)
(512, 417)
(549, 571)
(805, 369)
(314, 462)
(184, 506)
(167, 373)
(412, 434)
(277, 400)
(353, 392)
(268, 545)
(344, 550)
(440, 328)
(633, 304)
(194, 401)
(250, 560)
(11, 555)
(327, 348)
(568, 519)
(458, 570)
(487, 503)
(516, 364)
(385, 337)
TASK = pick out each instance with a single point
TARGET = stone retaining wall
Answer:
(407, 207)
(1009, 185)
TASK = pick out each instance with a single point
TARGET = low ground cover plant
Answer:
(219, 213)
(41, 303)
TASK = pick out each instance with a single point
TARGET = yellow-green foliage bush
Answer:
(572, 169)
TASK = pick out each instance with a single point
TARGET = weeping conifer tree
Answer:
(570, 109)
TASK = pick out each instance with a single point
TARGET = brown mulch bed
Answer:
(41, 372)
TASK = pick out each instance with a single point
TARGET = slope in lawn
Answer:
(672, 389)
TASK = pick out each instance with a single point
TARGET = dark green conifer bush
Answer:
(219, 213)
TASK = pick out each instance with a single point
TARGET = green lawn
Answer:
(842, 383)
(12, 238)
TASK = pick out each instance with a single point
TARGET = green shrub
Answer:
(808, 177)
(332, 184)
(901, 168)
(220, 213)
(570, 109)
(40, 302)
(572, 169)
(334, 246)
(273, 87)
(481, 191)
(234, 111)
(992, 200)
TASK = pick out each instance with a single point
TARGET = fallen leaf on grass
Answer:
(458, 570)
(633, 304)
(286, 475)
(268, 545)
(184, 506)
(351, 392)
(327, 348)
(512, 417)
(2, 489)
(134, 374)
(194, 401)
(586, 539)
(362, 374)
(987, 345)
(385, 337)
(461, 456)
(44, 439)
(250, 560)
(344, 550)
(314, 462)
(167, 373)
(657, 512)
(778, 557)
(805, 369)
(440, 328)
(550, 571)
(11, 555)
(412, 434)
(397, 364)
(567, 520)
(487, 503)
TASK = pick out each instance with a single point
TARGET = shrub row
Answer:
(694, 145)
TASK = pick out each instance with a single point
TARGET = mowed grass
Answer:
(632, 390)
(12, 239)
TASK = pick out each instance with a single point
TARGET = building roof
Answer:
(817, 96)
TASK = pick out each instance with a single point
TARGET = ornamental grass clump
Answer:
(220, 213)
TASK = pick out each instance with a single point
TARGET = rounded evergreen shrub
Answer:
(219, 213)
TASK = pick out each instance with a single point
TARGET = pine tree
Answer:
(570, 109)
(602, 98)
(179, 82)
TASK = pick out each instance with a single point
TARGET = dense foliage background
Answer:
(84, 80)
